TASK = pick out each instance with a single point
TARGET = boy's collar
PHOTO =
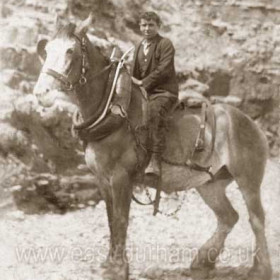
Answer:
(149, 42)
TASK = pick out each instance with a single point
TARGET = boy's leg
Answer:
(158, 111)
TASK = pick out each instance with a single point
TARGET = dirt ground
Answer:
(72, 246)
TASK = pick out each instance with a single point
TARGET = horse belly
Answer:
(179, 178)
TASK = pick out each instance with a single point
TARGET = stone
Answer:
(231, 100)
(12, 78)
(220, 25)
(19, 31)
(153, 272)
(12, 140)
(15, 188)
(16, 215)
(5, 11)
(25, 87)
(196, 86)
(9, 57)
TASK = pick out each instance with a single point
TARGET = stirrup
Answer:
(152, 170)
(153, 167)
(199, 145)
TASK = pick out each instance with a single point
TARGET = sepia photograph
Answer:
(140, 140)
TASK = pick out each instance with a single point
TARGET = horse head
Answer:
(68, 59)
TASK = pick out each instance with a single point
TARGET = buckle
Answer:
(83, 80)
(68, 86)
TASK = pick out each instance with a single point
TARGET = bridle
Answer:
(82, 80)
(110, 88)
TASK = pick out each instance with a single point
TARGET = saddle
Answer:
(190, 139)
(190, 135)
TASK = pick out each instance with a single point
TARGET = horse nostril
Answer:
(47, 90)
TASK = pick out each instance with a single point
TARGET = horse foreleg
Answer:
(214, 196)
(106, 193)
(121, 190)
(109, 207)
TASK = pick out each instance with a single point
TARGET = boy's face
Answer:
(149, 28)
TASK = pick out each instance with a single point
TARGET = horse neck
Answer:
(90, 96)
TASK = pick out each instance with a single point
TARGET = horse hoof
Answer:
(201, 269)
(113, 272)
(260, 274)
(200, 273)
(105, 264)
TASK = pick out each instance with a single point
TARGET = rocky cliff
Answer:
(232, 47)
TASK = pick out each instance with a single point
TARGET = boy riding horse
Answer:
(153, 69)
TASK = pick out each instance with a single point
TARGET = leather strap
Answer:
(140, 202)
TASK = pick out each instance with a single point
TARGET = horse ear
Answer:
(41, 49)
(84, 25)
(58, 21)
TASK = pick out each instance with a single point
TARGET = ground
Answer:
(72, 246)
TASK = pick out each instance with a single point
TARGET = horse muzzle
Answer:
(46, 90)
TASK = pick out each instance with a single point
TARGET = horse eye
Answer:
(70, 51)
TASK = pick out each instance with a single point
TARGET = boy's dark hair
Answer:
(151, 16)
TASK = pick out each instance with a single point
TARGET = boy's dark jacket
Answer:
(160, 75)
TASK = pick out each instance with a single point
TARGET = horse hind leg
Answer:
(214, 196)
(246, 163)
(250, 190)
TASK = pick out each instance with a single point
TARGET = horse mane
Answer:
(92, 49)
(67, 31)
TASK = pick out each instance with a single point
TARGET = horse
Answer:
(76, 67)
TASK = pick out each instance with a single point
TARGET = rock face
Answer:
(231, 46)
(227, 50)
